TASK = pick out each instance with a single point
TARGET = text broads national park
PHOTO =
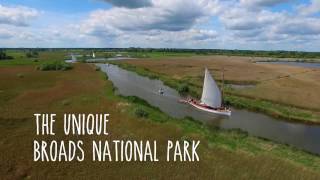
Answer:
(81, 125)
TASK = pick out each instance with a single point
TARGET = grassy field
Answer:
(279, 90)
(19, 57)
(223, 154)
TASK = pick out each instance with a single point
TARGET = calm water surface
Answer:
(302, 136)
(109, 59)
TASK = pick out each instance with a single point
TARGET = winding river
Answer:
(128, 83)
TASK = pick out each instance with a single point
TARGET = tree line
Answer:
(235, 52)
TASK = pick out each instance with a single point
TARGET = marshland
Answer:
(281, 92)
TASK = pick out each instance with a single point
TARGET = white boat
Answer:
(73, 58)
(161, 91)
(211, 99)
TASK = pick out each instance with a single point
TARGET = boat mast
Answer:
(222, 87)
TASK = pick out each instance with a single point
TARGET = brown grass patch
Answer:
(289, 85)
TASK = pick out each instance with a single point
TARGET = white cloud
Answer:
(165, 23)
(163, 15)
(240, 18)
(312, 8)
(180, 23)
(262, 3)
(255, 27)
(5, 34)
(18, 16)
(299, 26)
(168, 39)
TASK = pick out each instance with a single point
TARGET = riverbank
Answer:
(231, 140)
(235, 99)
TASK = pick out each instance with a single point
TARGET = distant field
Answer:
(19, 56)
(144, 54)
(21, 59)
(162, 54)
(61, 54)
(84, 90)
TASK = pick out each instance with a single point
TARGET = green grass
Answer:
(160, 54)
(273, 109)
(55, 66)
(153, 55)
(15, 62)
(19, 58)
(267, 107)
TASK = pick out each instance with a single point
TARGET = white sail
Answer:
(73, 57)
(211, 94)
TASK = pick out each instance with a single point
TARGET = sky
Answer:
(212, 24)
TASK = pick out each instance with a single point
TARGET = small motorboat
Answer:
(161, 91)
(212, 98)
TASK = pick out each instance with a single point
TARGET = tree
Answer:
(3, 56)
(32, 54)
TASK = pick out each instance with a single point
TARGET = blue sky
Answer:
(60, 6)
(225, 24)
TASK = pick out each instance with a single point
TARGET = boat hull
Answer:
(225, 112)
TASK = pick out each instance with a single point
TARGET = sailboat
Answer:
(211, 99)
(73, 58)
(161, 91)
